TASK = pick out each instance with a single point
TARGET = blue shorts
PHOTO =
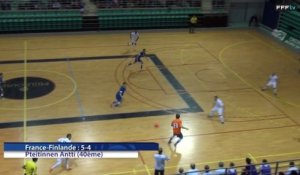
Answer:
(137, 59)
(178, 135)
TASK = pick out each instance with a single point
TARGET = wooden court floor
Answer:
(182, 72)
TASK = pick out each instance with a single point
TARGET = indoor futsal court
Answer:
(78, 74)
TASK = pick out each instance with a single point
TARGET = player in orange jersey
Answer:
(177, 125)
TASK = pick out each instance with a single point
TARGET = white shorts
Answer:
(133, 41)
(63, 161)
(272, 84)
(217, 110)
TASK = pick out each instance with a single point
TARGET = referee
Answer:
(160, 159)
(30, 167)
(193, 23)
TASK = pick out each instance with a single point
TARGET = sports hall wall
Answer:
(19, 16)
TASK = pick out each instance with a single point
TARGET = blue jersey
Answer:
(120, 93)
(122, 90)
(139, 56)
(265, 169)
(251, 170)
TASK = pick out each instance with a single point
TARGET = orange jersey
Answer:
(176, 125)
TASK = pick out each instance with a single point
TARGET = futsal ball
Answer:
(156, 125)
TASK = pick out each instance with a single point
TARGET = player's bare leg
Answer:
(115, 104)
(275, 91)
(211, 114)
(141, 66)
(221, 119)
(177, 142)
(67, 166)
(57, 163)
(170, 140)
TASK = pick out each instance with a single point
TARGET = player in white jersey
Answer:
(272, 83)
(134, 37)
(218, 108)
(64, 161)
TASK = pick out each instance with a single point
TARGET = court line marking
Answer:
(50, 104)
(156, 80)
(211, 162)
(146, 100)
(144, 163)
(131, 74)
(220, 56)
(273, 47)
(253, 158)
(77, 94)
(25, 92)
(25, 96)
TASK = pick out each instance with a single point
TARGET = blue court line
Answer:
(186, 97)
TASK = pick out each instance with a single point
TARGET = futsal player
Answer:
(1, 85)
(30, 167)
(272, 83)
(134, 37)
(176, 124)
(64, 161)
(218, 108)
(119, 95)
(160, 159)
(138, 58)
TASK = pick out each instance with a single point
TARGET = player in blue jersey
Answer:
(119, 95)
(138, 58)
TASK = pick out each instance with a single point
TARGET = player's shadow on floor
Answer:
(175, 156)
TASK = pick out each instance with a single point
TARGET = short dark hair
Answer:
(231, 164)
(248, 160)
(206, 167)
(264, 161)
(221, 164)
(180, 170)
(69, 135)
(35, 159)
(292, 163)
(160, 150)
(193, 166)
(177, 116)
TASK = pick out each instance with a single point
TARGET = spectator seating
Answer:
(145, 18)
(290, 23)
(25, 21)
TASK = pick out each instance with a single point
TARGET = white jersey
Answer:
(64, 140)
(160, 161)
(219, 103)
(134, 35)
(193, 172)
(273, 78)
